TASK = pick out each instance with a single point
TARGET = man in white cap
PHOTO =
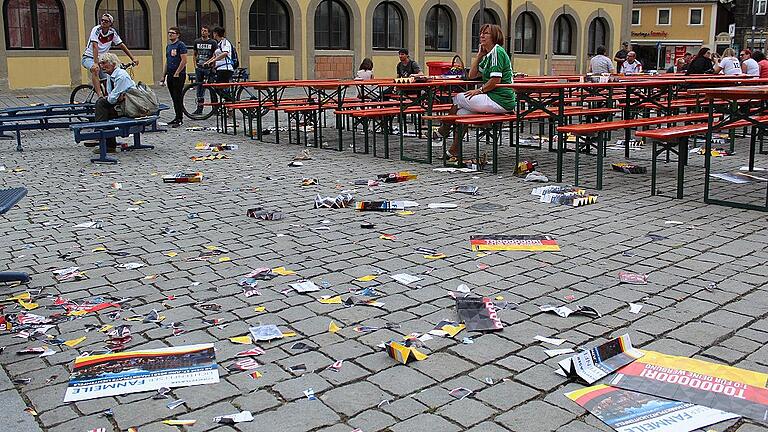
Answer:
(102, 38)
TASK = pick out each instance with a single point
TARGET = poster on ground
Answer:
(630, 411)
(726, 388)
(529, 243)
(137, 371)
(478, 314)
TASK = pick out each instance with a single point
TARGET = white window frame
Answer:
(639, 16)
(760, 7)
(658, 15)
(690, 14)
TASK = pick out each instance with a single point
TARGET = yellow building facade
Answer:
(305, 39)
(663, 30)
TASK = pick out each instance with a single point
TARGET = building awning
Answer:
(666, 42)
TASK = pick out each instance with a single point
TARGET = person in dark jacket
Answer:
(702, 63)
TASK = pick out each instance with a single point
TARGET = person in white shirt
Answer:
(728, 64)
(222, 57)
(748, 65)
(102, 38)
(631, 65)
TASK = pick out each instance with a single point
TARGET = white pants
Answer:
(479, 104)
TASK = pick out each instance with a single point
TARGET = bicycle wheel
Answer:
(82, 94)
(189, 98)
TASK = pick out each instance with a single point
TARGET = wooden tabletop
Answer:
(734, 92)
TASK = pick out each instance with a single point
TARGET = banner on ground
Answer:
(725, 388)
(137, 371)
(530, 243)
(630, 411)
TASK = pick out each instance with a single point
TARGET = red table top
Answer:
(734, 92)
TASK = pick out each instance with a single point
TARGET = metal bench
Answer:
(120, 127)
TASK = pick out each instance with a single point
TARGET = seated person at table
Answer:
(678, 67)
(365, 73)
(600, 63)
(748, 65)
(407, 67)
(631, 65)
(701, 64)
(118, 83)
(728, 64)
(494, 66)
(762, 63)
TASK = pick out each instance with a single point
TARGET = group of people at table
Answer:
(704, 62)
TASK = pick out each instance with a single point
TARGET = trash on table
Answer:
(628, 411)
(96, 376)
(386, 206)
(403, 353)
(596, 363)
(530, 243)
(565, 311)
(260, 213)
(266, 333)
(243, 416)
(467, 189)
(478, 314)
(551, 341)
(635, 308)
(633, 278)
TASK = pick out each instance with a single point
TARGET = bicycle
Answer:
(84, 93)
(189, 94)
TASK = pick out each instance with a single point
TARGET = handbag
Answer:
(457, 67)
(140, 101)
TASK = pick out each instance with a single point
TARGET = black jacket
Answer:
(700, 65)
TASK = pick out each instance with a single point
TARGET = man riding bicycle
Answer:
(102, 38)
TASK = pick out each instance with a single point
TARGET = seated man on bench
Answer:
(118, 83)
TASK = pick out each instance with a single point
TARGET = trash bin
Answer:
(437, 68)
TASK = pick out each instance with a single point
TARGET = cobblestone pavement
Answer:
(681, 315)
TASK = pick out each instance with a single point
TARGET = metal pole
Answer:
(754, 23)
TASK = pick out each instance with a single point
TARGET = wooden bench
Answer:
(119, 127)
(675, 139)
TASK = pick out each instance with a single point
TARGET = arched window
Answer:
(489, 18)
(331, 26)
(191, 15)
(34, 24)
(598, 34)
(269, 25)
(439, 31)
(563, 40)
(131, 21)
(526, 33)
(387, 26)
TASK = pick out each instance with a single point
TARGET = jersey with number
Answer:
(496, 64)
(105, 41)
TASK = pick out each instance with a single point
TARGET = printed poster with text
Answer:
(137, 371)
(630, 411)
(725, 388)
